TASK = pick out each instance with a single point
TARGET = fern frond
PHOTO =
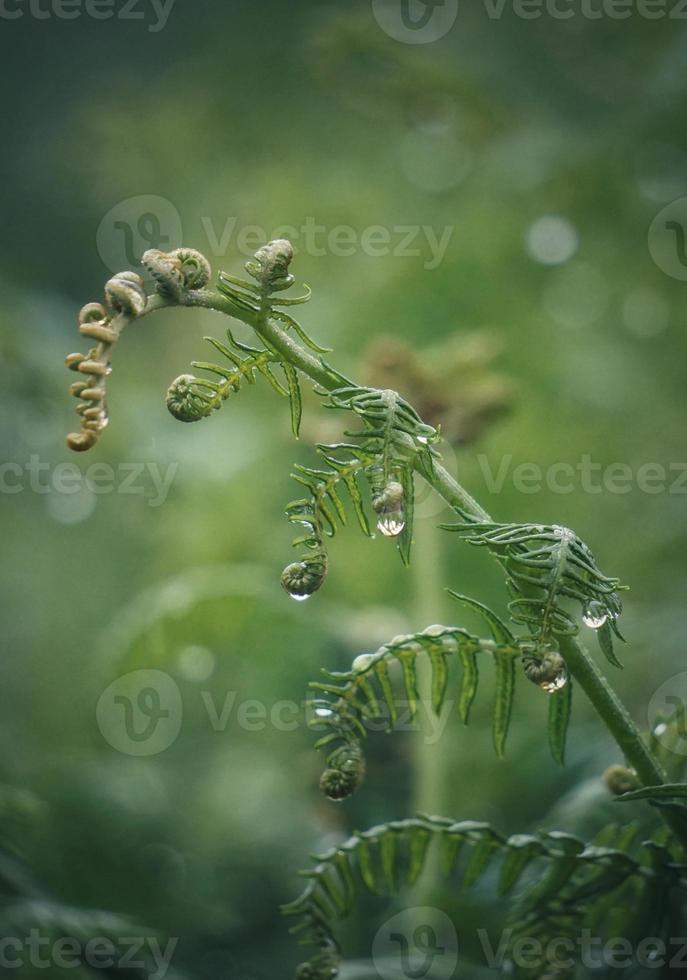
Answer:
(395, 437)
(566, 884)
(270, 272)
(347, 700)
(548, 566)
(325, 485)
(191, 398)
(323, 511)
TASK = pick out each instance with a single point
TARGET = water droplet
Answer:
(423, 439)
(594, 615)
(556, 683)
(435, 630)
(324, 712)
(660, 729)
(390, 525)
(362, 662)
(299, 596)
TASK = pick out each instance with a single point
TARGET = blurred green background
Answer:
(546, 147)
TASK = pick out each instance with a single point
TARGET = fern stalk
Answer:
(580, 664)
(582, 667)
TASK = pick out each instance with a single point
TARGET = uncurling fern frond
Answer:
(567, 884)
(346, 701)
(547, 566)
(393, 437)
(190, 398)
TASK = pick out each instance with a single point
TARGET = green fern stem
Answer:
(581, 666)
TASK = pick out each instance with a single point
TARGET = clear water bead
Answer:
(300, 596)
(594, 615)
(362, 662)
(434, 630)
(556, 683)
(390, 525)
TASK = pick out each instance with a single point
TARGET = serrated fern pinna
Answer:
(561, 884)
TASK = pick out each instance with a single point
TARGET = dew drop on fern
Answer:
(594, 614)
(556, 683)
(390, 526)
(388, 505)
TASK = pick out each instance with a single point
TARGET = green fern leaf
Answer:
(560, 707)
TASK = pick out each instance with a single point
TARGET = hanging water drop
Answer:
(556, 683)
(388, 505)
(391, 525)
(594, 615)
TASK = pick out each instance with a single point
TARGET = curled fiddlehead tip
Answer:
(188, 400)
(301, 578)
(122, 294)
(619, 779)
(125, 294)
(271, 265)
(545, 667)
(177, 271)
(344, 773)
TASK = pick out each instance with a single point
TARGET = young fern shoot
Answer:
(551, 576)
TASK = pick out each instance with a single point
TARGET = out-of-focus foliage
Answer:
(531, 141)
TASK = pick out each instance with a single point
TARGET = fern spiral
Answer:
(126, 300)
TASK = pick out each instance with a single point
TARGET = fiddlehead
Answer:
(301, 578)
(125, 299)
(190, 399)
(565, 884)
(177, 272)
